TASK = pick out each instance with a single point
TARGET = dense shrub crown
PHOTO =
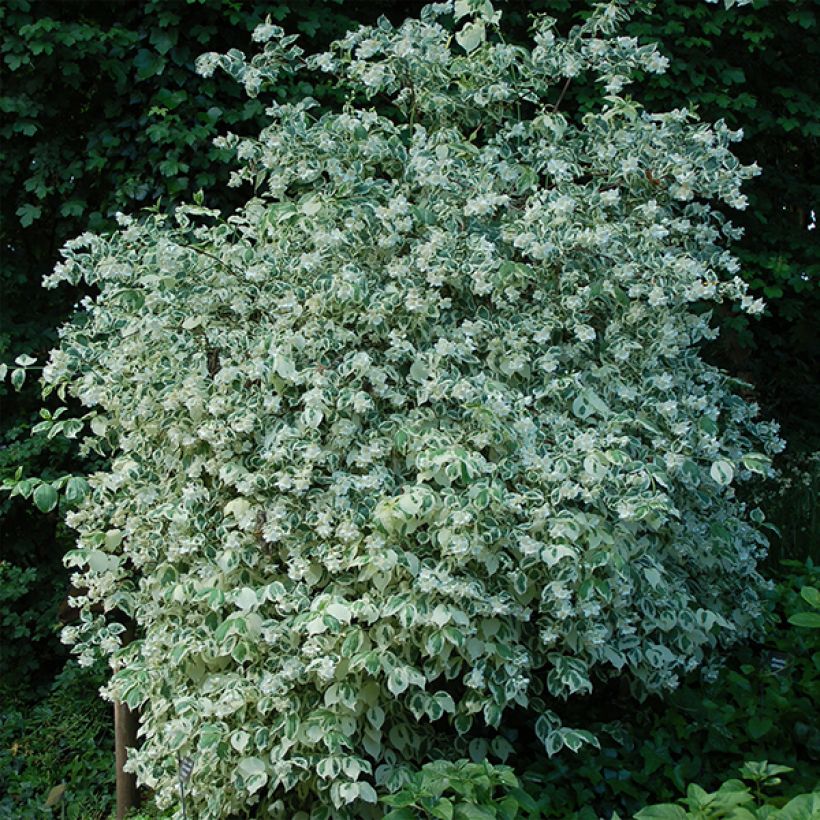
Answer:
(421, 433)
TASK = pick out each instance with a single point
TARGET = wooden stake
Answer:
(125, 736)
(126, 723)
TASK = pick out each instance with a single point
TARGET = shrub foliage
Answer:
(421, 432)
(106, 114)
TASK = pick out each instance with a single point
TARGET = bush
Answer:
(466, 791)
(736, 799)
(66, 739)
(421, 434)
(21, 621)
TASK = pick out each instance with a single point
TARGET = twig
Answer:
(212, 256)
(561, 95)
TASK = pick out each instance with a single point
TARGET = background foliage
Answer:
(102, 111)
(67, 737)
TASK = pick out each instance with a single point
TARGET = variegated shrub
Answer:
(422, 431)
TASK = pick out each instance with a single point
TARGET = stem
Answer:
(211, 256)
(561, 95)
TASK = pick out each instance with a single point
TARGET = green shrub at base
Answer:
(461, 790)
(739, 800)
(481, 791)
(66, 739)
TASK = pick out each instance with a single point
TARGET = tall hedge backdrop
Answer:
(102, 112)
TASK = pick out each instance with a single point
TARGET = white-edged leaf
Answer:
(45, 498)
(397, 680)
(722, 472)
(472, 35)
(246, 599)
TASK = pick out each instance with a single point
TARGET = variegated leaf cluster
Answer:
(422, 432)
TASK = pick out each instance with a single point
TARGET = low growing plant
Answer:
(810, 618)
(739, 800)
(420, 436)
(461, 790)
(65, 740)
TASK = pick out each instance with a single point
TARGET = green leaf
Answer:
(811, 596)
(209, 735)
(164, 39)
(74, 207)
(469, 811)
(443, 809)
(810, 620)
(508, 808)
(401, 814)
(758, 726)
(761, 770)
(28, 214)
(45, 498)
(524, 799)
(148, 64)
(802, 807)
(663, 811)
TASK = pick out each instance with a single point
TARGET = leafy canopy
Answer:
(421, 433)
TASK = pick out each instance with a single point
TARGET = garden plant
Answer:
(419, 439)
